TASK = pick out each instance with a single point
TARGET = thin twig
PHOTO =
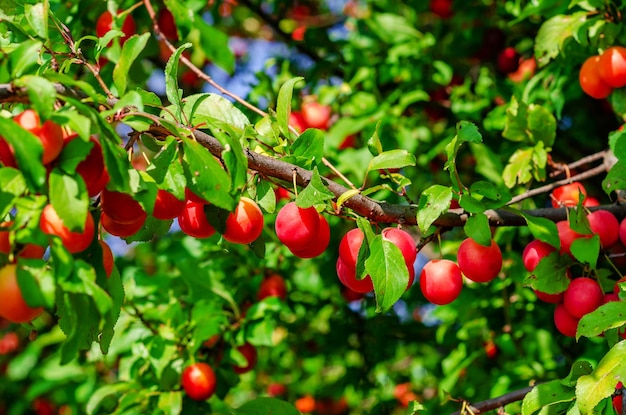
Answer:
(495, 403)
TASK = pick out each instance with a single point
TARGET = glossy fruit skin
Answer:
(49, 133)
(276, 389)
(534, 252)
(167, 206)
(121, 207)
(105, 24)
(12, 304)
(51, 224)
(566, 236)
(347, 276)
(245, 224)
(590, 80)
(305, 404)
(549, 298)
(297, 121)
(296, 227)
(477, 262)
(123, 230)
(349, 246)
(318, 244)
(199, 381)
(606, 226)
(441, 281)
(92, 168)
(568, 194)
(272, 286)
(250, 353)
(508, 60)
(582, 296)
(193, 221)
(404, 241)
(565, 323)
(612, 66)
(316, 115)
(108, 261)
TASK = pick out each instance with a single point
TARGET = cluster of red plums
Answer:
(602, 73)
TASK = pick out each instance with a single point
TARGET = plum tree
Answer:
(199, 381)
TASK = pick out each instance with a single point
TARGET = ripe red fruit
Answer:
(525, 70)
(305, 404)
(272, 286)
(618, 398)
(441, 281)
(108, 261)
(622, 231)
(442, 8)
(616, 288)
(491, 349)
(315, 114)
(121, 207)
(350, 245)
(249, 352)
(296, 227)
(549, 298)
(612, 66)
(193, 221)
(534, 252)
(567, 236)
(245, 224)
(508, 60)
(92, 168)
(582, 296)
(123, 230)
(51, 224)
(318, 244)
(296, 120)
(190, 195)
(606, 225)
(477, 262)
(6, 154)
(276, 389)
(568, 195)
(199, 381)
(12, 304)
(590, 81)
(404, 241)
(167, 24)
(105, 24)
(50, 133)
(347, 276)
(565, 323)
(350, 295)
(167, 206)
(9, 343)
(403, 394)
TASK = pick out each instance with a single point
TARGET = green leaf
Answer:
(215, 44)
(79, 320)
(433, 202)
(173, 93)
(550, 275)
(543, 229)
(586, 250)
(525, 164)
(388, 271)
(24, 56)
(41, 93)
(308, 149)
(373, 143)
(28, 153)
(392, 159)
(37, 17)
(265, 406)
(578, 369)
(553, 33)
(600, 384)
(29, 272)
(205, 176)
(203, 109)
(131, 50)
(68, 195)
(466, 132)
(546, 394)
(171, 403)
(314, 193)
(265, 196)
(530, 124)
(12, 185)
(103, 392)
(364, 251)
(608, 316)
(283, 104)
(477, 227)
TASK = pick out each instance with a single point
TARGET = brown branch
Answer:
(498, 402)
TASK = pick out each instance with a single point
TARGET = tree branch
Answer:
(498, 402)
